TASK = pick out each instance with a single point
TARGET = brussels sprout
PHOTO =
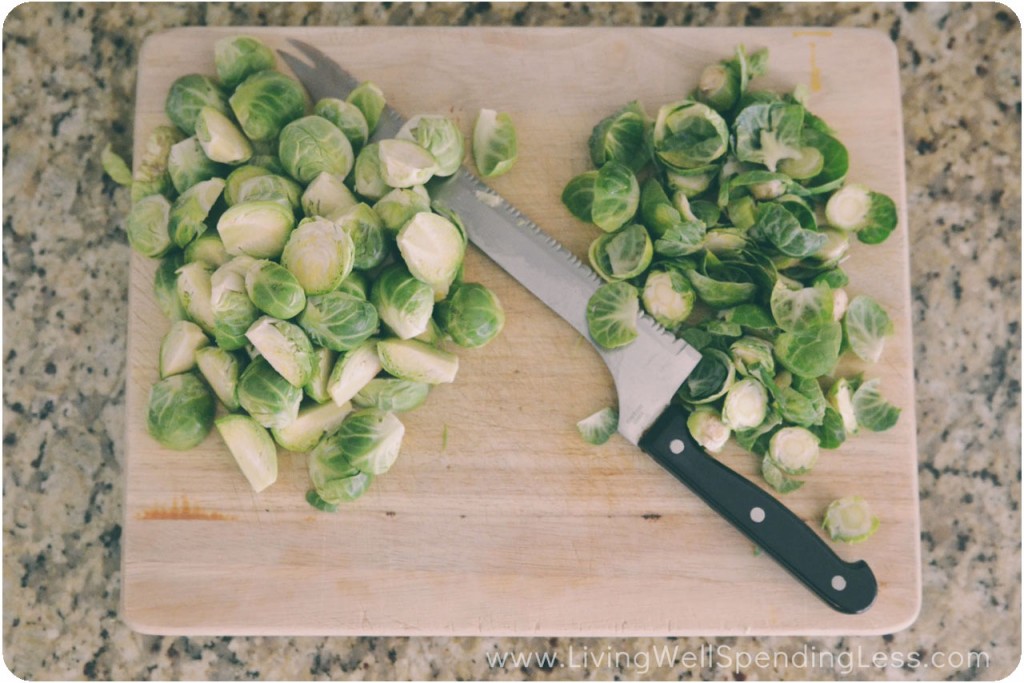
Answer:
(234, 180)
(810, 352)
(849, 520)
(623, 254)
(179, 346)
(265, 101)
(495, 144)
(396, 207)
(323, 363)
(187, 165)
(220, 138)
(180, 412)
(353, 371)
(404, 163)
(616, 196)
(871, 215)
(238, 57)
(612, 314)
(369, 99)
(355, 284)
(719, 86)
(319, 254)
(271, 187)
(392, 395)
(707, 429)
(767, 133)
(750, 352)
(403, 302)
(417, 361)
(578, 196)
(147, 226)
(313, 145)
(327, 196)
(433, 249)
(313, 423)
(194, 292)
(440, 136)
(433, 335)
(274, 290)
(186, 219)
(259, 229)
(599, 427)
(220, 369)
(794, 450)
(207, 249)
(115, 166)
(369, 172)
(165, 287)
(370, 440)
(668, 297)
(471, 315)
(338, 321)
(778, 479)
(689, 134)
(347, 117)
(622, 137)
(188, 95)
(285, 346)
(252, 448)
(866, 325)
(269, 398)
(151, 166)
(840, 398)
(745, 405)
(364, 228)
(872, 410)
(711, 378)
(334, 480)
(314, 499)
(233, 311)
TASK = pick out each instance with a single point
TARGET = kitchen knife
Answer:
(647, 372)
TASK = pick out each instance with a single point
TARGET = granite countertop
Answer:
(69, 83)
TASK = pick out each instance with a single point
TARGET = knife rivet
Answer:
(757, 514)
(676, 446)
(838, 582)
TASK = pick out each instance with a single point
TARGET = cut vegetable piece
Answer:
(353, 371)
(866, 325)
(872, 410)
(440, 136)
(403, 302)
(313, 145)
(745, 405)
(849, 520)
(417, 361)
(268, 397)
(179, 346)
(371, 440)
(258, 229)
(252, 448)
(147, 226)
(319, 254)
(220, 369)
(392, 395)
(313, 423)
(840, 397)
(220, 138)
(195, 293)
(285, 346)
(433, 250)
(404, 163)
(323, 364)
(600, 426)
(856, 208)
(274, 290)
(794, 450)
(708, 430)
(495, 145)
(612, 314)
(338, 321)
(616, 196)
(777, 479)
(668, 297)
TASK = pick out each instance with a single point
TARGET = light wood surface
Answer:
(511, 524)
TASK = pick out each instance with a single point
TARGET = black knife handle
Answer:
(848, 587)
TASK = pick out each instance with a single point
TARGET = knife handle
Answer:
(849, 587)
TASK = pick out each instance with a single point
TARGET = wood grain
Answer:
(511, 524)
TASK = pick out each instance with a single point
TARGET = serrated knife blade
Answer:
(647, 373)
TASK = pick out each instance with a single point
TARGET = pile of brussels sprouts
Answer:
(727, 219)
(311, 283)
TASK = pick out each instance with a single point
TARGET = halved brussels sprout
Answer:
(268, 397)
(369, 172)
(252, 448)
(599, 427)
(399, 205)
(319, 254)
(417, 361)
(403, 302)
(265, 101)
(238, 57)
(471, 315)
(151, 173)
(495, 144)
(369, 99)
(616, 196)
(353, 371)
(623, 254)
(220, 138)
(440, 136)
(370, 440)
(180, 411)
(194, 292)
(707, 429)
(285, 346)
(849, 520)
(220, 369)
(668, 297)
(656, 210)
(327, 196)
(188, 95)
(338, 321)
(364, 228)
(323, 363)
(147, 226)
(165, 287)
(179, 346)
(404, 163)
(347, 117)
(259, 229)
(187, 165)
(689, 134)
(207, 249)
(187, 217)
(274, 290)
(612, 314)
(233, 311)
(682, 239)
(622, 137)
(393, 395)
(313, 145)
(433, 249)
(313, 423)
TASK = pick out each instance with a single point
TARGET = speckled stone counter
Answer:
(69, 79)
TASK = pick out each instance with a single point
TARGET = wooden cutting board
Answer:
(497, 518)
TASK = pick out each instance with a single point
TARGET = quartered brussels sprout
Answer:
(338, 321)
(440, 136)
(265, 102)
(207, 249)
(471, 315)
(165, 287)
(220, 368)
(495, 143)
(403, 302)
(397, 206)
(707, 429)
(849, 520)
(668, 297)
(353, 371)
(404, 163)
(432, 248)
(392, 395)
(313, 145)
(612, 314)
(233, 311)
(689, 134)
(369, 99)
(194, 291)
(365, 229)
(238, 57)
(327, 196)
(347, 117)
(599, 427)
(252, 448)
(417, 361)
(147, 226)
(285, 346)
(266, 396)
(179, 346)
(616, 196)
(259, 229)
(274, 290)
(187, 165)
(190, 94)
(323, 363)
(623, 254)
(180, 412)
(319, 254)
(622, 137)
(370, 440)
(151, 174)
(187, 217)
(220, 138)
(369, 173)
(313, 423)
